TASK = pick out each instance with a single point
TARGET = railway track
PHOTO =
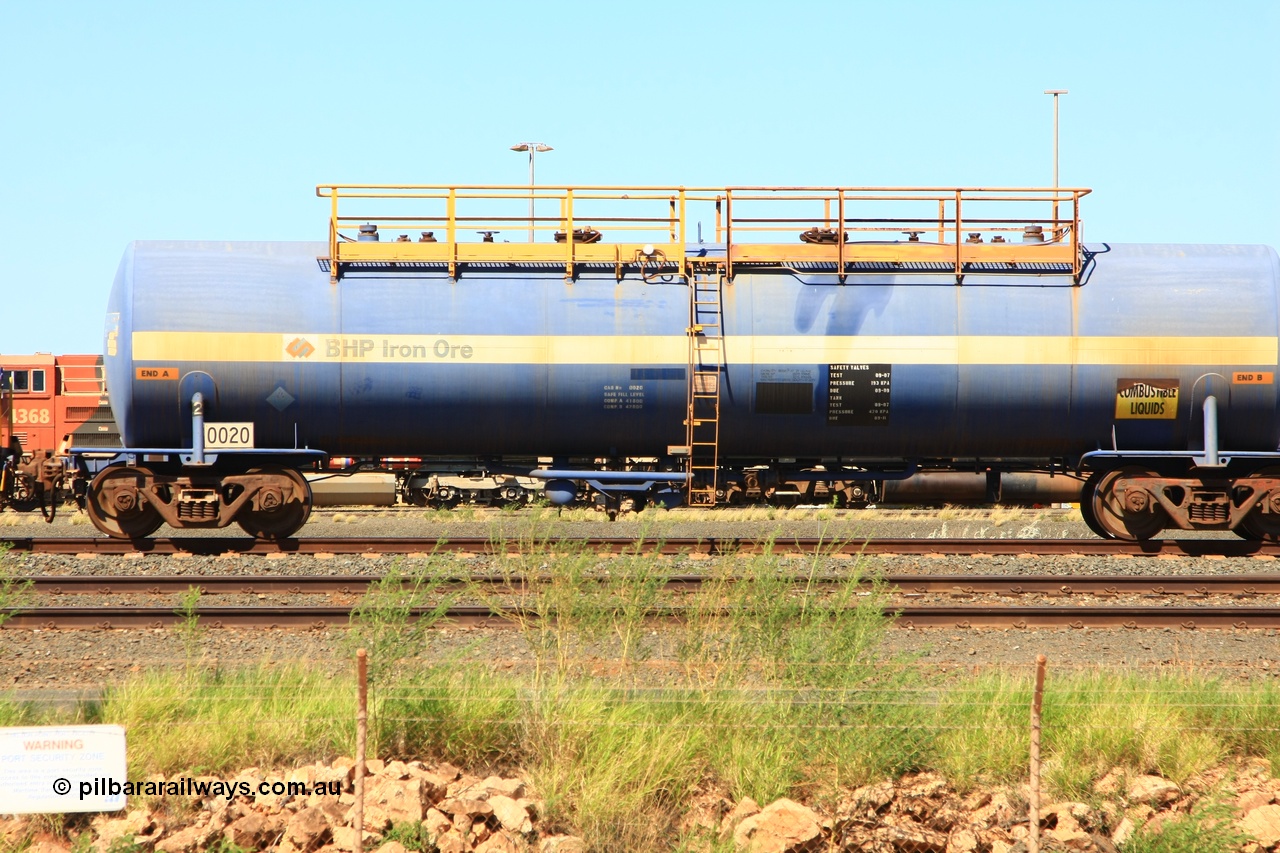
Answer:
(1240, 586)
(1183, 601)
(962, 617)
(1168, 612)
(725, 545)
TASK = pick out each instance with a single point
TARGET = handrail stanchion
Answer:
(451, 230)
(333, 235)
(684, 223)
(959, 265)
(719, 224)
(1077, 241)
(568, 233)
(728, 234)
(840, 270)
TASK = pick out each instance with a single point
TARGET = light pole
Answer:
(533, 148)
(1055, 92)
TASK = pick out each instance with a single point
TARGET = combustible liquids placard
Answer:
(1146, 399)
(52, 769)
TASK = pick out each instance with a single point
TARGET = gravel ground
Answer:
(46, 660)
(1011, 523)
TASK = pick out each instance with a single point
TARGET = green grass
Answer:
(1208, 829)
(16, 593)
(206, 721)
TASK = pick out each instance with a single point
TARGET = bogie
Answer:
(128, 502)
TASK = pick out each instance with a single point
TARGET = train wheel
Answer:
(284, 520)
(1123, 517)
(114, 507)
(1259, 526)
(24, 497)
(1086, 506)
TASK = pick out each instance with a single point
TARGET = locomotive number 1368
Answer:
(31, 416)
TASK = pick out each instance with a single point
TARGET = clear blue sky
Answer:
(128, 120)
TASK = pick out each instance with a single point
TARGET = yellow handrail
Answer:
(758, 225)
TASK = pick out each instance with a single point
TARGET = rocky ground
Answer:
(456, 812)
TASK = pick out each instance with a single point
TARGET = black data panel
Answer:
(858, 394)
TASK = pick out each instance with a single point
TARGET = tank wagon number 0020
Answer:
(634, 345)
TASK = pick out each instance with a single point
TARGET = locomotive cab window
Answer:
(26, 381)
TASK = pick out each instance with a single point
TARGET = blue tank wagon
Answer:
(841, 335)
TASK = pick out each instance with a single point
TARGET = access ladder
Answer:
(705, 369)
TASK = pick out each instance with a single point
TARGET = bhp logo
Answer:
(299, 348)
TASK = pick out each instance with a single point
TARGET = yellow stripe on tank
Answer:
(311, 347)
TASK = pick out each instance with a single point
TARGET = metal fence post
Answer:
(1033, 797)
(362, 730)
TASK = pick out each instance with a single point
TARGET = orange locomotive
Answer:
(47, 404)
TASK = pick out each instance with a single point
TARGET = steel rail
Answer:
(711, 545)
(1243, 586)
(954, 617)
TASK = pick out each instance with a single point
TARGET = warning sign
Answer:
(1146, 399)
(58, 769)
